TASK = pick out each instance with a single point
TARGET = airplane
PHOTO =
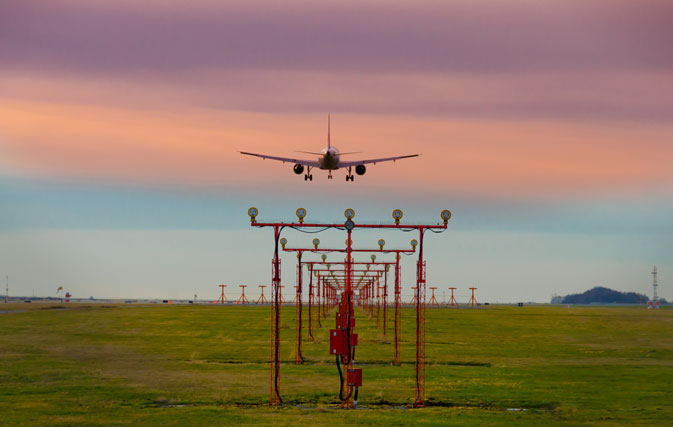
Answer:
(329, 160)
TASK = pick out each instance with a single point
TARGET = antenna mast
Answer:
(655, 298)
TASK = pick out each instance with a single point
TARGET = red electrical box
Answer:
(337, 342)
(342, 320)
(355, 377)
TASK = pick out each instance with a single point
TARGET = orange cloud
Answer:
(197, 147)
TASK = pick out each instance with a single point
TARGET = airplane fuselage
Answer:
(329, 158)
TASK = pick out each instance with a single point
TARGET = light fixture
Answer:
(283, 242)
(397, 216)
(446, 215)
(316, 242)
(382, 243)
(253, 212)
(324, 257)
(349, 213)
(414, 243)
(373, 257)
(301, 213)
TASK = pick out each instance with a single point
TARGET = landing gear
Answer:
(330, 175)
(308, 176)
(350, 176)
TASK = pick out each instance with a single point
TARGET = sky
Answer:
(545, 127)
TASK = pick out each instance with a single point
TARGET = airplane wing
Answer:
(375, 161)
(312, 163)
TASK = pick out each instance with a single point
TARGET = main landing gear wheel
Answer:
(308, 177)
(349, 176)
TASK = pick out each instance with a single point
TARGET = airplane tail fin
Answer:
(328, 132)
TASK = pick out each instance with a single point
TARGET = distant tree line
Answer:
(602, 295)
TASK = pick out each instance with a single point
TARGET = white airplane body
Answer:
(329, 159)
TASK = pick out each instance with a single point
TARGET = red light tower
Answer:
(342, 339)
(452, 302)
(223, 298)
(243, 299)
(433, 301)
(261, 299)
(472, 302)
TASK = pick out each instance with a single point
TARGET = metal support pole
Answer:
(318, 298)
(298, 358)
(398, 315)
(419, 402)
(310, 301)
(385, 301)
(275, 323)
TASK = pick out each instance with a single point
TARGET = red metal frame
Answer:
(452, 302)
(472, 302)
(413, 293)
(433, 301)
(397, 361)
(347, 301)
(243, 299)
(262, 299)
(223, 298)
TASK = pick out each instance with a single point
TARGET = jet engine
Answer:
(360, 169)
(298, 169)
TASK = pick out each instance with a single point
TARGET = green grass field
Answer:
(195, 365)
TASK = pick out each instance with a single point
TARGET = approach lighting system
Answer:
(301, 213)
(397, 215)
(346, 286)
(446, 215)
(253, 212)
